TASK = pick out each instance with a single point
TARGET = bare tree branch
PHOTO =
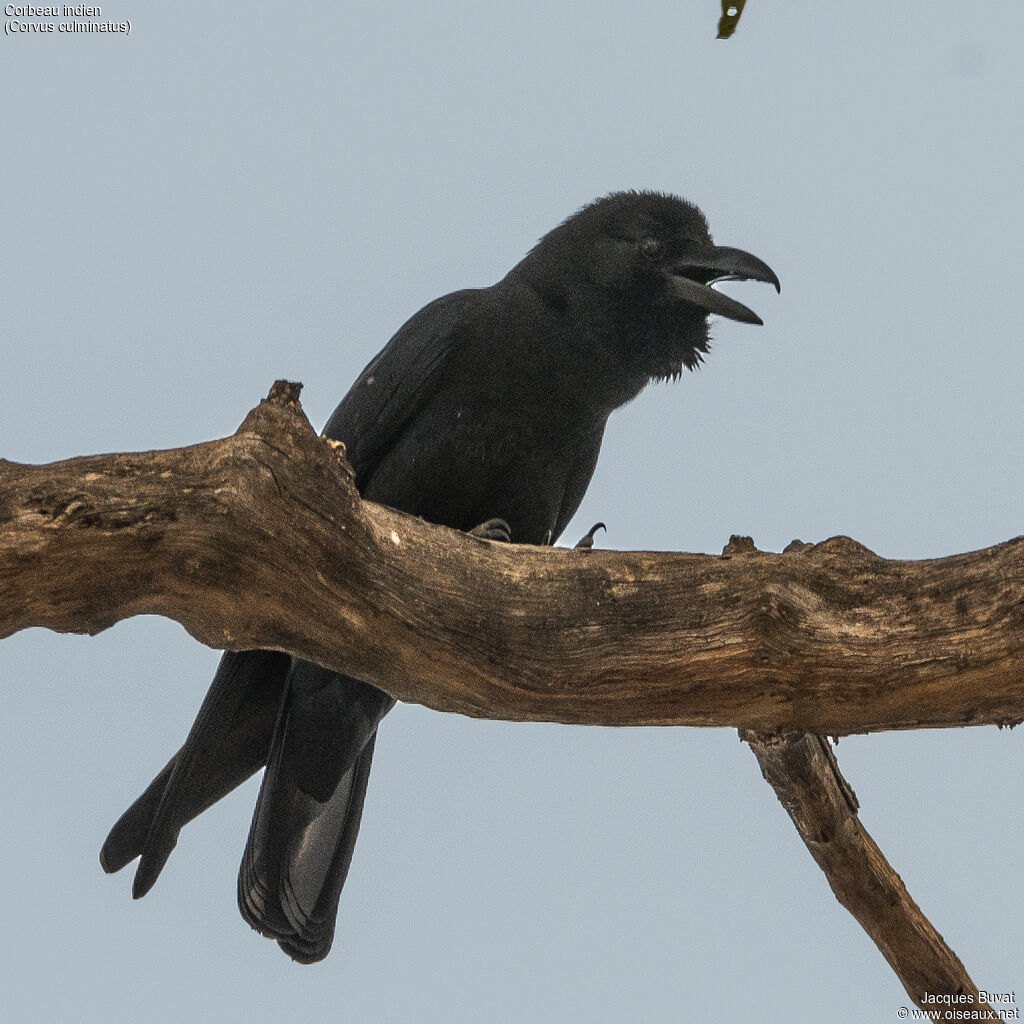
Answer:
(261, 540)
(802, 770)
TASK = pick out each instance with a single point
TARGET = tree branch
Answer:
(261, 540)
(803, 771)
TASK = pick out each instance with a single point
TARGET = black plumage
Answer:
(489, 403)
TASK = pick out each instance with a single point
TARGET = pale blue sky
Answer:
(231, 195)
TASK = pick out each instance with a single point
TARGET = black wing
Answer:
(397, 380)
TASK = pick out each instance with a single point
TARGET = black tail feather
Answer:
(227, 743)
(307, 817)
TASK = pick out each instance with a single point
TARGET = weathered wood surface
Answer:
(261, 540)
(802, 770)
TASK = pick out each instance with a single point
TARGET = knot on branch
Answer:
(739, 546)
(842, 545)
(285, 392)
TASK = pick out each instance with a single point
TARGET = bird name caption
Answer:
(69, 19)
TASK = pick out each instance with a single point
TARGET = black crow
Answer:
(485, 411)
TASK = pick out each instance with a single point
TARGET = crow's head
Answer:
(645, 262)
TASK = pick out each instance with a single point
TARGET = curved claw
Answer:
(587, 542)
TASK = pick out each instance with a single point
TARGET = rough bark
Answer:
(803, 771)
(261, 540)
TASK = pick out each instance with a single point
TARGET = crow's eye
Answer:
(652, 248)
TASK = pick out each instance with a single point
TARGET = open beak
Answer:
(691, 280)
